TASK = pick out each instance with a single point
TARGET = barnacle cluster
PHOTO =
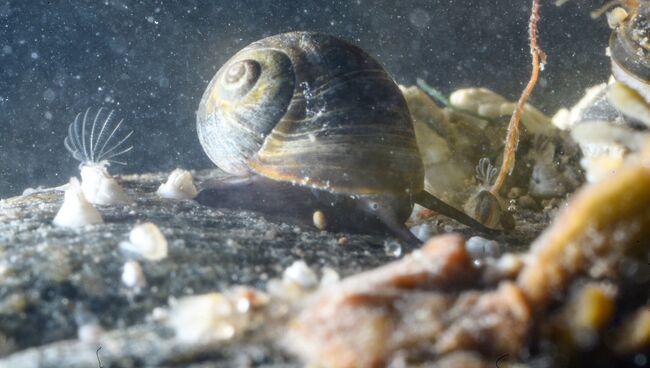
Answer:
(95, 145)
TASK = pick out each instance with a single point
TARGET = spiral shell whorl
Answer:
(329, 117)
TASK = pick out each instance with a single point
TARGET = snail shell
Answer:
(306, 122)
(311, 109)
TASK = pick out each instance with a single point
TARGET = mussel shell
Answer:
(321, 113)
(630, 51)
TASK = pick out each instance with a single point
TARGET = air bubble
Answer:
(393, 248)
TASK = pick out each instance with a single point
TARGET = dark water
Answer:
(151, 60)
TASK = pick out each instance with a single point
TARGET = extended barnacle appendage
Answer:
(485, 172)
(96, 147)
(483, 205)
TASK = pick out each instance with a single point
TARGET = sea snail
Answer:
(308, 122)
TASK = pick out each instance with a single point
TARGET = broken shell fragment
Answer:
(179, 185)
(100, 187)
(146, 240)
(76, 210)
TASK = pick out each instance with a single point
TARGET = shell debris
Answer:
(299, 273)
(179, 185)
(146, 240)
(132, 275)
(76, 210)
(299, 280)
(216, 316)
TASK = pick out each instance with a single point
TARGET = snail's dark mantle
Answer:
(55, 279)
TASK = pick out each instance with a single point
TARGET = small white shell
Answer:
(101, 188)
(132, 275)
(146, 240)
(76, 210)
(319, 220)
(179, 185)
(300, 274)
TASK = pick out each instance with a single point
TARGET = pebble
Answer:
(480, 248)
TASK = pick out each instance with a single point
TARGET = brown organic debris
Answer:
(512, 137)
(370, 316)
(603, 222)
(435, 303)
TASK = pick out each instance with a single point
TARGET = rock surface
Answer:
(56, 282)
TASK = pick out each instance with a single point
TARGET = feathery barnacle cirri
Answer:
(97, 146)
(76, 210)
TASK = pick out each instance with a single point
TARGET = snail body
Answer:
(307, 122)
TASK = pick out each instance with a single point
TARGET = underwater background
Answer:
(151, 61)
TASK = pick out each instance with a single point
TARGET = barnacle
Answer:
(179, 185)
(483, 205)
(485, 172)
(95, 150)
(76, 210)
(147, 241)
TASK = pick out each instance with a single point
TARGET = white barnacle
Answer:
(179, 185)
(100, 187)
(76, 210)
(146, 240)
(96, 147)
